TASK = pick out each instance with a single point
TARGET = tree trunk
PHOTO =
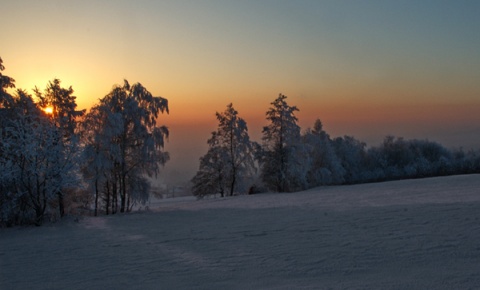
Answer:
(114, 197)
(232, 160)
(38, 217)
(232, 185)
(107, 203)
(128, 204)
(96, 196)
(123, 194)
(61, 206)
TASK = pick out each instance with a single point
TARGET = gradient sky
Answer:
(365, 68)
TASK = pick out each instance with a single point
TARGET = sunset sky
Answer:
(365, 68)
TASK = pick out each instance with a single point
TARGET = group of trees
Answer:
(50, 152)
(291, 160)
(38, 151)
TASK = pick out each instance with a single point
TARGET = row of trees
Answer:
(53, 156)
(50, 152)
(289, 160)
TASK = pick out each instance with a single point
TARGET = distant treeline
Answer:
(291, 160)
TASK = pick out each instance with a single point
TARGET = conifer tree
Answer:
(229, 161)
(281, 149)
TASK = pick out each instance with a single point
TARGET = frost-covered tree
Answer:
(229, 162)
(6, 82)
(465, 162)
(124, 143)
(280, 158)
(101, 155)
(233, 136)
(34, 166)
(63, 104)
(354, 159)
(325, 166)
(96, 134)
(211, 177)
(64, 117)
(398, 158)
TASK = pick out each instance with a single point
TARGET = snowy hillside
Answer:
(415, 234)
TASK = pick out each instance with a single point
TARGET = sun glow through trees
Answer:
(48, 110)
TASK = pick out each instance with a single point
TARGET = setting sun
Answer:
(48, 110)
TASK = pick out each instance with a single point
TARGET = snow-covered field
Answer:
(414, 234)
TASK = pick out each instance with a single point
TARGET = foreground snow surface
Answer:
(415, 234)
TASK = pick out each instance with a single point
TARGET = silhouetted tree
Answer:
(354, 158)
(126, 143)
(34, 166)
(6, 82)
(64, 117)
(230, 158)
(97, 133)
(279, 158)
(210, 177)
(325, 166)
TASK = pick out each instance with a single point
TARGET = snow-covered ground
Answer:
(414, 234)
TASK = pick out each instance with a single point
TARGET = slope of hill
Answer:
(413, 234)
